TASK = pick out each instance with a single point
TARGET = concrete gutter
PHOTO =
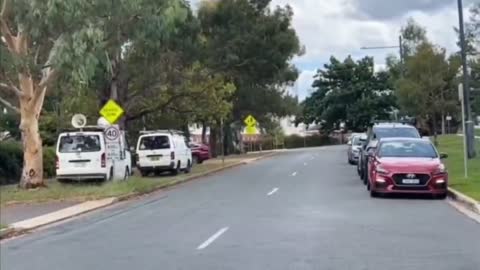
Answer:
(464, 200)
(5, 232)
(24, 226)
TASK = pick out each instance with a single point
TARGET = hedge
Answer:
(295, 141)
(292, 141)
(11, 162)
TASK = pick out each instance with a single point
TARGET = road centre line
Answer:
(272, 192)
(212, 238)
(294, 173)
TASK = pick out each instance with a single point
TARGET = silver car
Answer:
(354, 145)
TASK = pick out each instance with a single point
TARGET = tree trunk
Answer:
(434, 125)
(204, 132)
(213, 142)
(32, 173)
(443, 124)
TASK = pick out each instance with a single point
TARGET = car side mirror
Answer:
(443, 155)
(349, 143)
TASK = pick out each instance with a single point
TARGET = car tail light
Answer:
(57, 163)
(172, 155)
(103, 160)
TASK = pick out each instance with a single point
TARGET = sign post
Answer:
(251, 128)
(449, 119)
(112, 112)
(465, 149)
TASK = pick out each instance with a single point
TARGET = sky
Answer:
(341, 27)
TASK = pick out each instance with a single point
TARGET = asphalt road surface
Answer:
(298, 210)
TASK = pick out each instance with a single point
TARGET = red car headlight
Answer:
(440, 170)
(381, 170)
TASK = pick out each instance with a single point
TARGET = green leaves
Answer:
(429, 83)
(348, 92)
(252, 45)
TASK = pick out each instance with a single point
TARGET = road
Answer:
(298, 210)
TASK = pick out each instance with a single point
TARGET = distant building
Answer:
(288, 126)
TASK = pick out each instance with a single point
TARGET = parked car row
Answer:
(393, 158)
(101, 152)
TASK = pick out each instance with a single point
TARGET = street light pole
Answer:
(402, 56)
(399, 46)
(468, 126)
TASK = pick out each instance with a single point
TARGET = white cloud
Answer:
(338, 28)
(342, 27)
(304, 83)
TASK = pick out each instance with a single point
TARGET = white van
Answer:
(159, 151)
(89, 154)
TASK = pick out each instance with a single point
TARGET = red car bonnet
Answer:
(409, 164)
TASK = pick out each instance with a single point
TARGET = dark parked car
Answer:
(377, 132)
(401, 165)
(200, 152)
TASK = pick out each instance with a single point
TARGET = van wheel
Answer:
(144, 173)
(176, 170)
(195, 160)
(127, 174)
(188, 169)
(110, 177)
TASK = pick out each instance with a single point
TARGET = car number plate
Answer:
(80, 164)
(411, 181)
(155, 158)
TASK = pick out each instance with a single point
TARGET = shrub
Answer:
(11, 162)
(49, 161)
(296, 141)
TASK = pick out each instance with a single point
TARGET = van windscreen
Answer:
(154, 142)
(79, 143)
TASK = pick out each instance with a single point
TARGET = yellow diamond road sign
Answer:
(251, 130)
(250, 121)
(111, 111)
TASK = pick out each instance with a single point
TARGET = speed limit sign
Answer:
(112, 133)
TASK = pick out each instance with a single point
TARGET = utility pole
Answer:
(222, 141)
(401, 52)
(465, 144)
(468, 126)
(402, 56)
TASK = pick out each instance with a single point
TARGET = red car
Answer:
(406, 165)
(200, 152)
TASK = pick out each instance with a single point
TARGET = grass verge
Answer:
(453, 146)
(90, 191)
(3, 226)
(477, 132)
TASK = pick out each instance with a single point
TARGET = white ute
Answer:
(160, 151)
(92, 152)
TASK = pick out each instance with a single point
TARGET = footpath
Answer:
(23, 211)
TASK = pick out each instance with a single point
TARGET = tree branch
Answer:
(48, 78)
(13, 89)
(4, 29)
(9, 105)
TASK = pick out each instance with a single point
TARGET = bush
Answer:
(296, 141)
(49, 161)
(11, 162)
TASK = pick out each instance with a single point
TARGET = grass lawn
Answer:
(453, 146)
(89, 191)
